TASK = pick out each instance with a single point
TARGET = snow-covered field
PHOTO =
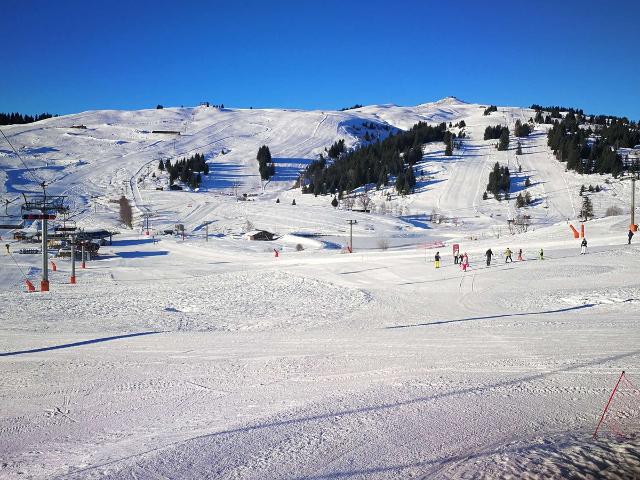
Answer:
(215, 359)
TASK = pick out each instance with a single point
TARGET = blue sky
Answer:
(68, 56)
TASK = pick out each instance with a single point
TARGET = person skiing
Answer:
(583, 247)
(488, 254)
(465, 262)
(437, 259)
(541, 254)
(630, 235)
(507, 256)
(7, 247)
(520, 255)
(455, 257)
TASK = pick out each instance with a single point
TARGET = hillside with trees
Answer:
(592, 148)
(374, 163)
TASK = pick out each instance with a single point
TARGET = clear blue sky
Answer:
(68, 56)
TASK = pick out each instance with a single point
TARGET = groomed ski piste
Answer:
(213, 358)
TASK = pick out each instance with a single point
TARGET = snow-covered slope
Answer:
(210, 357)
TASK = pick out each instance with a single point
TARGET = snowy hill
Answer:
(116, 152)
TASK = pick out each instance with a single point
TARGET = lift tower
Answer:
(47, 207)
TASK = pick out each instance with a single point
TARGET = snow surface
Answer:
(212, 358)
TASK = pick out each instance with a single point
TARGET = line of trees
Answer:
(16, 118)
(266, 166)
(188, 170)
(492, 133)
(373, 163)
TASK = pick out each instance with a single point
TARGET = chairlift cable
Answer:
(35, 177)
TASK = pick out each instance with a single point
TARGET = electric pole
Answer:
(633, 204)
(351, 224)
(44, 284)
(73, 259)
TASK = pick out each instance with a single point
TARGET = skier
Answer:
(465, 262)
(437, 259)
(6, 245)
(455, 257)
(488, 254)
(507, 256)
(541, 254)
(583, 247)
(630, 236)
(520, 255)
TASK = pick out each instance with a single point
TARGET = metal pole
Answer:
(351, 223)
(84, 265)
(633, 202)
(351, 236)
(206, 229)
(44, 284)
(73, 260)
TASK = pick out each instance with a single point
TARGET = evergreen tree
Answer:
(520, 202)
(586, 211)
(449, 148)
(504, 139)
(161, 165)
(334, 202)
(519, 149)
(266, 166)
(527, 198)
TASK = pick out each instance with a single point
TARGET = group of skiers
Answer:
(508, 255)
(463, 259)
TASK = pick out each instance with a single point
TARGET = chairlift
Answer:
(8, 221)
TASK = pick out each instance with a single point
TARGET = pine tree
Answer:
(449, 149)
(161, 165)
(504, 139)
(586, 211)
(519, 149)
(527, 198)
(520, 202)
(485, 196)
(334, 202)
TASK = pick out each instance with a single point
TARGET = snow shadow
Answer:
(288, 169)
(126, 243)
(225, 175)
(140, 254)
(489, 317)
(418, 221)
(77, 344)
(38, 150)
